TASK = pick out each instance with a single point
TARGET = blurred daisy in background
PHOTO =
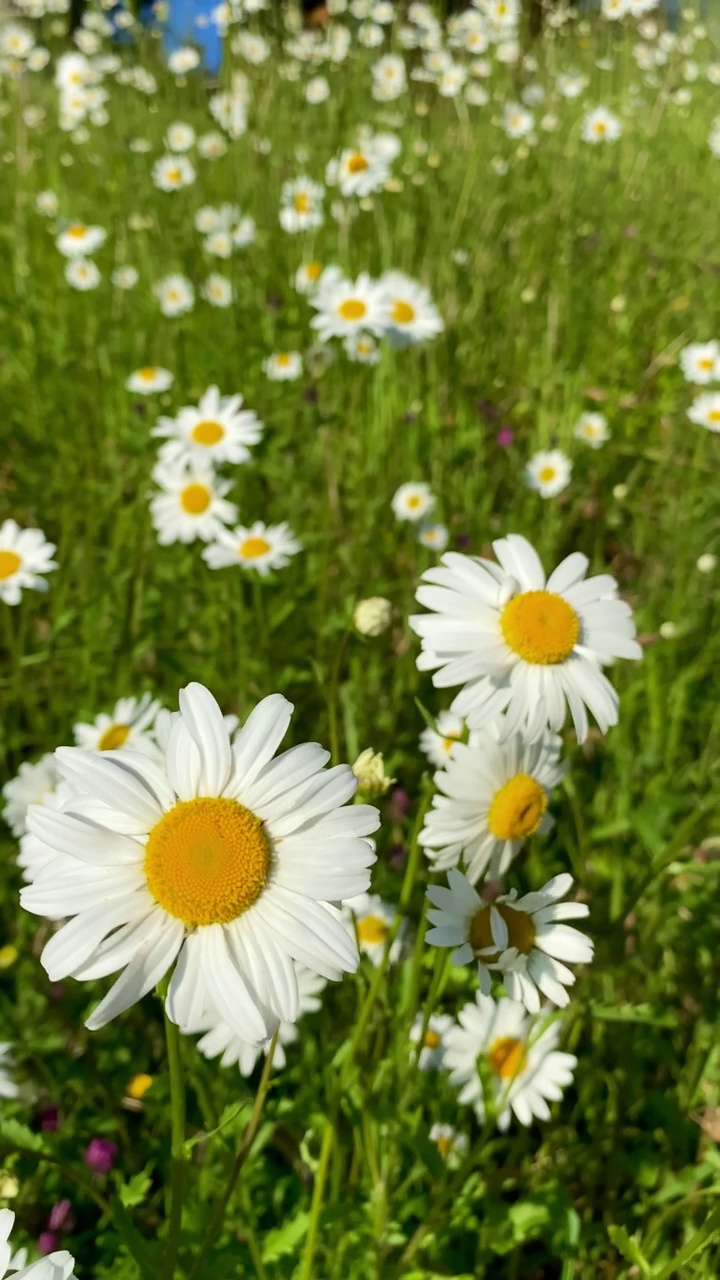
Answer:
(32, 784)
(129, 725)
(362, 348)
(283, 366)
(438, 743)
(705, 410)
(412, 314)
(700, 362)
(79, 240)
(412, 501)
(125, 277)
(149, 379)
(548, 472)
(82, 274)
(448, 1141)
(179, 136)
(600, 125)
(301, 205)
(370, 920)
(25, 555)
(261, 547)
(216, 430)
(593, 429)
(217, 291)
(171, 173)
(431, 1053)
(175, 295)
(346, 307)
(433, 536)
(191, 503)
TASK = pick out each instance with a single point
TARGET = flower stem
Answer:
(701, 1237)
(306, 1270)
(177, 1141)
(243, 1152)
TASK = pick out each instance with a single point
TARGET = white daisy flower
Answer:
(518, 641)
(593, 429)
(518, 122)
(261, 547)
(191, 503)
(361, 348)
(412, 501)
(438, 744)
(175, 295)
(307, 276)
(54, 1266)
(243, 233)
(220, 1041)
(448, 1141)
(179, 137)
(24, 556)
(518, 939)
(211, 146)
(389, 78)
(700, 362)
(317, 90)
(600, 125)
(548, 472)
(79, 240)
(369, 920)
(149, 379)
(412, 314)
(129, 725)
(218, 291)
(358, 171)
(433, 536)
(348, 307)
(47, 203)
(216, 866)
(184, 59)
(8, 1087)
(705, 410)
(82, 274)
(219, 243)
(125, 277)
(493, 795)
(301, 205)
(216, 430)
(171, 173)
(524, 1069)
(32, 784)
(283, 366)
(431, 1053)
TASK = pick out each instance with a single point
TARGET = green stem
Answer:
(243, 1152)
(177, 1153)
(701, 1237)
(306, 1270)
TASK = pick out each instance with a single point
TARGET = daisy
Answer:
(431, 1053)
(600, 125)
(493, 795)
(54, 1266)
(221, 1041)
(412, 501)
(317, 90)
(448, 1141)
(219, 243)
(389, 78)
(434, 536)
(32, 784)
(548, 472)
(180, 137)
(700, 362)
(262, 547)
(217, 866)
(216, 430)
(524, 1068)
(191, 503)
(518, 641)
(705, 411)
(307, 276)
(518, 122)
(129, 725)
(243, 233)
(211, 146)
(593, 429)
(348, 307)
(47, 203)
(175, 295)
(149, 379)
(208, 219)
(82, 274)
(437, 744)
(361, 348)
(412, 315)
(283, 366)
(358, 171)
(217, 291)
(182, 60)
(8, 1087)
(170, 173)
(24, 555)
(301, 205)
(125, 277)
(78, 240)
(369, 920)
(518, 938)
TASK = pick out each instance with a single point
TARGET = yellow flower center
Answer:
(372, 929)
(10, 562)
(449, 742)
(414, 501)
(207, 432)
(147, 374)
(174, 175)
(282, 358)
(195, 499)
(600, 126)
(432, 1040)
(706, 363)
(521, 931)
(546, 474)
(507, 1057)
(402, 312)
(444, 1145)
(207, 861)
(357, 163)
(714, 415)
(517, 808)
(115, 736)
(313, 270)
(77, 231)
(301, 202)
(540, 627)
(139, 1086)
(251, 548)
(352, 309)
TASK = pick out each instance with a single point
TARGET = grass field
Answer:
(564, 276)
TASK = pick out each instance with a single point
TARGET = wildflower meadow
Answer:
(359, 647)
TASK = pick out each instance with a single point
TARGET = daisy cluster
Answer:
(549, 471)
(700, 364)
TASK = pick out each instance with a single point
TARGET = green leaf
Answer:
(283, 1240)
(135, 1191)
(19, 1135)
(629, 1248)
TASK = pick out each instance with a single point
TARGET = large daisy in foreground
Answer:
(520, 643)
(217, 865)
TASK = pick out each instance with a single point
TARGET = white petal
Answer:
(206, 726)
(145, 970)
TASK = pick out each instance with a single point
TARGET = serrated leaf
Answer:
(135, 1191)
(18, 1135)
(283, 1240)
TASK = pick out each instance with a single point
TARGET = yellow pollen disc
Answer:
(77, 231)
(195, 499)
(301, 202)
(115, 736)
(9, 564)
(540, 627)
(706, 363)
(357, 163)
(507, 1057)
(207, 861)
(521, 931)
(547, 473)
(251, 548)
(207, 432)
(444, 1145)
(352, 309)
(413, 501)
(147, 374)
(517, 808)
(402, 313)
(313, 270)
(372, 929)
(449, 743)
(139, 1086)
(432, 1040)
(283, 359)
(600, 127)
(714, 415)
